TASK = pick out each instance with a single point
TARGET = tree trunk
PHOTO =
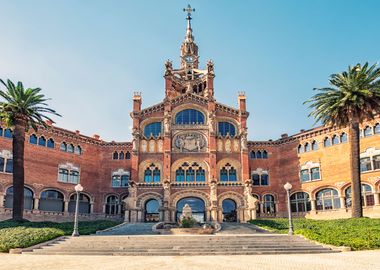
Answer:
(356, 187)
(18, 168)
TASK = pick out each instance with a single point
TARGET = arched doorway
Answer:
(84, 204)
(152, 213)
(197, 206)
(229, 210)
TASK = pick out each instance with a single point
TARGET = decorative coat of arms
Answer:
(190, 142)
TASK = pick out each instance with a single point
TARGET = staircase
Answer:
(129, 229)
(186, 245)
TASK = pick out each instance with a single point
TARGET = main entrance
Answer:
(197, 206)
(229, 210)
(151, 211)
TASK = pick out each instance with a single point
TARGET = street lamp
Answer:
(288, 187)
(78, 189)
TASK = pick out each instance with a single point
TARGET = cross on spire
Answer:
(189, 9)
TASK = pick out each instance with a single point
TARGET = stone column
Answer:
(313, 205)
(36, 203)
(214, 214)
(342, 202)
(376, 197)
(133, 216)
(127, 216)
(91, 208)
(1, 200)
(66, 207)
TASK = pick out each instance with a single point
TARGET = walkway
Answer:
(130, 229)
(363, 260)
(240, 228)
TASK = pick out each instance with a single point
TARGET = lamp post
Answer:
(288, 187)
(78, 189)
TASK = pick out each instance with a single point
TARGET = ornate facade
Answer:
(190, 149)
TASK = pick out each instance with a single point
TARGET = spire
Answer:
(189, 32)
(189, 50)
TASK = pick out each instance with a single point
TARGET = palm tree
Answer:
(354, 96)
(21, 109)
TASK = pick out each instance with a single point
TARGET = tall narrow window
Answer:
(343, 137)
(265, 154)
(70, 148)
(190, 175)
(148, 175)
(63, 175)
(121, 155)
(269, 204)
(326, 142)
(2, 163)
(8, 133)
(377, 128)
(42, 141)
(259, 155)
(253, 155)
(335, 140)
(307, 147)
(127, 155)
(124, 180)
(223, 175)
(300, 149)
(115, 155)
(74, 177)
(78, 150)
(315, 173)
(376, 162)
(9, 166)
(156, 175)
(63, 147)
(314, 145)
(180, 175)
(368, 131)
(232, 175)
(365, 164)
(201, 177)
(264, 179)
(256, 179)
(33, 139)
(50, 143)
(305, 176)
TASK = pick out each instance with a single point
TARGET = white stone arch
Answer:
(190, 193)
(64, 193)
(143, 198)
(144, 164)
(314, 192)
(236, 197)
(176, 164)
(234, 163)
(85, 193)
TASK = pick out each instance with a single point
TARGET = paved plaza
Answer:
(346, 260)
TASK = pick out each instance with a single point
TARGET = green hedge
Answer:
(359, 234)
(26, 234)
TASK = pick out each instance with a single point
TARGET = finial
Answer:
(189, 31)
(189, 10)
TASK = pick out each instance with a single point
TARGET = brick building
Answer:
(191, 149)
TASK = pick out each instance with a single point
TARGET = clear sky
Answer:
(90, 56)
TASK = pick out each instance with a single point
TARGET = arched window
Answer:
(377, 128)
(200, 175)
(269, 204)
(115, 155)
(327, 199)
(314, 145)
(84, 204)
(226, 128)
(258, 154)
(70, 148)
(190, 175)
(42, 141)
(180, 175)
(28, 198)
(127, 155)
(335, 140)
(121, 155)
(253, 155)
(300, 202)
(228, 173)
(152, 129)
(300, 149)
(78, 150)
(152, 174)
(8, 133)
(33, 139)
(229, 210)
(367, 196)
(156, 175)
(50, 143)
(307, 147)
(265, 154)
(264, 179)
(343, 137)
(368, 131)
(63, 147)
(327, 142)
(51, 200)
(189, 117)
(112, 205)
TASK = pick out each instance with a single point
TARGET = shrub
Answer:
(25, 234)
(188, 222)
(359, 234)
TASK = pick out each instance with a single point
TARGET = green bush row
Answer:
(359, 234)
(26, 234)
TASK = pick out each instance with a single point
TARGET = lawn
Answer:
(26, 234)
(359, 234)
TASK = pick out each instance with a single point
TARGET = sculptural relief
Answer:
(152, 144)
(227, 145)
(160, 146)
(236, 145)
(143, 146)
(190, 142)
(220, 145)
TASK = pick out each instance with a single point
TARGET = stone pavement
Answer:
(240, 228)
(363, 260)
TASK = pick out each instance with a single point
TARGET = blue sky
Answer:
(90, 56)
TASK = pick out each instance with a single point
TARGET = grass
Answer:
(359, 234)
(26, 234)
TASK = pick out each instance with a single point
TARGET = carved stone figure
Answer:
(250, 199)
(213, 195)
(243, 140)
(190, 142)
(187, 212)
(210, 67)
(166, 187)
(136, 139)
(168, 67)
(212, 116)
(166, 123)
